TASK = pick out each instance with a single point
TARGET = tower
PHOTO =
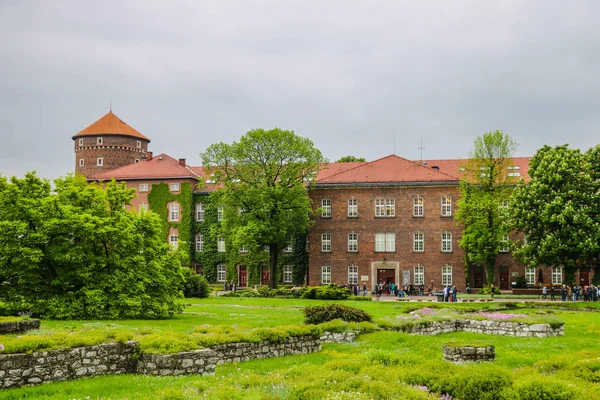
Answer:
(107, 144)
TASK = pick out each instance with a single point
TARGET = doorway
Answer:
(503, 277)
(386, 275)
(584, 278)
(243, 276)
(477, 276)
(265, 275)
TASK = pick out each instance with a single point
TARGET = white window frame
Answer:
(220, 212)
(80, 141)
(418, 207)
(504, 204)
(288, 249)
(325, 275)
(99, 141)
(352, 208)
(353, 274)
(221, 272)
(138, 144)
(418, 242)
(173, 212)
(446, 275)
(174, 187)
(100, 162)
(143, 187)
(243, 249)
(325, 208)
(505, 248)
(557, 275)
(385, 208)
(446, 242)
(221, 244)
(353, 242)
(81, 162)
(446, 206)
(326, 242)
(199, 243)
(199, 212)
(287, 274)
(419, 275)
(530, 275)
(385, 242)
(142, 207)
(174, 241)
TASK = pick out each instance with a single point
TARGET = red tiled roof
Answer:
(388, 169)
(110, 124)
(160, 166)
(452, 166)
(335, 168)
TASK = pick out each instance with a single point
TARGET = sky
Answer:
(363, 78)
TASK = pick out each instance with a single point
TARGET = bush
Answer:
(194, 285)
(487, 290)
(542, 388)
(329, 292)
(482, 383)
(329, 312)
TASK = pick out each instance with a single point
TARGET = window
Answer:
(385, 207)
(419, 275)
(446, 242)
(326, 242)
(199, 269)
(353, 275)
(243, 249)
(530, 275)
(220, 210)
(288, 249)
(418, 242)
(504, 204)
(287, 274)
(353, 242)
(513, 170)
(174, 241)
(99, 140)
(221, 272)
(143, 187)
(325, 208)
(418, 207)
(143, 207)
(352, 208)
(504, 248)
(100, 162)
(325, 275)
(446, 206)
(174, 187)
(199, 243)
(557, 275)
(267, 248)
(385, 242)
(199, 212)
(221, 244)
(81, 142)
(446, 275)
(138, 144)
(174, 212)
(81, 162)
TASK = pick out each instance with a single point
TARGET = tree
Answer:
(557, 210)
(484, 188)
(351, 159)
(76, 252)
(264, 180)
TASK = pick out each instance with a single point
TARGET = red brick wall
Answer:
(117, 151)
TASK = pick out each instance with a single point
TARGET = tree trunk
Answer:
(490, 271)
(274, 250)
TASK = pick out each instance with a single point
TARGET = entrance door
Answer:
(386, 275)
(503, 277)
(584, 278)
(478, 276)
(243, 276)
(265, 275)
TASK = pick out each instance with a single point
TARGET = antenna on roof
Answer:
(110, 106)
(394, 132)
(421, 147)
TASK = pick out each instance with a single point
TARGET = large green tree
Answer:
(264, 181)
(557, 210)
(76, 252)
(484, 189)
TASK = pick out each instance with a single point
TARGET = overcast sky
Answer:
(347, 74)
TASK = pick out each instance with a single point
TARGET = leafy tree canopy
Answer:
(264, 181)
(351, 159)
(76, 252)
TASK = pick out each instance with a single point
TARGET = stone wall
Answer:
(19, 326)
(57, 365)
(490, 327)
(338, 337)
(469, 354)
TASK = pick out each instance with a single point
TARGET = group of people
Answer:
(391, 289)
(571, 292)
(450, 293)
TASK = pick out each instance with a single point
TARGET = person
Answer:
(454, 293)
(493, 290)
(445, 291)
(233, 286)
(569, 292)
(544, 292)
(450, 294)
(563, 293)
(552, 296)
(364, 289)
(468, 289)
(429, 290)
(392, 288)
(225, 286)
(422, 290)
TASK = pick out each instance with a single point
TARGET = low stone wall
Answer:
(57, 365)
(434, 328)
(469, 354)
(338, 337)
(19, 326)
(490, 327)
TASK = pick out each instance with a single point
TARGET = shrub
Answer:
(329, 292)
(488, 290)
(482, 383)
(545, 388)
(319, 314)
(194, 285)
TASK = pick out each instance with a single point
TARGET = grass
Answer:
(380, 365)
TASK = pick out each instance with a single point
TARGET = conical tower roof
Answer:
(110, 124)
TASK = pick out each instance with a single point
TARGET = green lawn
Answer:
(379, 365)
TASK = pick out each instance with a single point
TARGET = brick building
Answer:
(388, 220)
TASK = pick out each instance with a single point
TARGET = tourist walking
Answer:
(552, 296)
(454, 293)
(446, 292)
(364, 289)
(544, 292)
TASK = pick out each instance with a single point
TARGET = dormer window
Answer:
(138, 144)
(99, 140)
(100, 162)
(81, 141)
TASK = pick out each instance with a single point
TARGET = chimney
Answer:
(148, 155)
(182, 162)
